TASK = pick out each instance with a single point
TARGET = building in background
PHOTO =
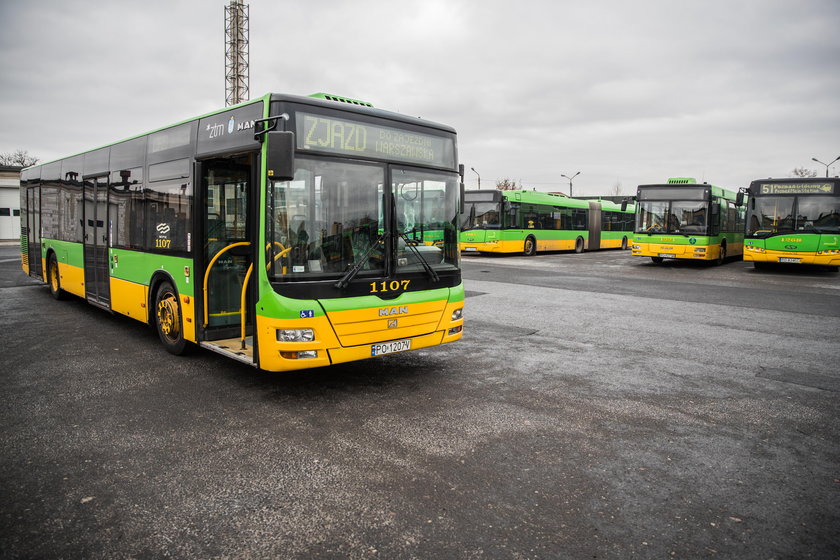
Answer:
(9, 203)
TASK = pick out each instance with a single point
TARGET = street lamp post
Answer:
(479, 177)
(826, 164)
(570, 181)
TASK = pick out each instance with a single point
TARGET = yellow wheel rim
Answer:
(54, 276)
(167, 313)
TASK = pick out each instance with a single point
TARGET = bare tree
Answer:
(506, 185)
(803, 172)
(19, 158)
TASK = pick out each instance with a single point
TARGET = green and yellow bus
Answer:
(520, 221)
(277, 232)
(683, 219)
(795, 221)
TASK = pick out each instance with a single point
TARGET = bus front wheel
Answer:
(530, 246)
(624, 244)
(54, 278)
(579, 245)
(168, 320)
(657, 260)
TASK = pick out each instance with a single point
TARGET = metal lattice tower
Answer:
(236, 53)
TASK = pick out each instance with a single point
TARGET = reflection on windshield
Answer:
(481, 215)
(672, 216)
(325, 219)
(332, 219)
(426, 216)
(778, 214)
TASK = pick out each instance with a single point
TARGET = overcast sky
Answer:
(625, 92)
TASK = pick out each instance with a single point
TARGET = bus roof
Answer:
(539, 197)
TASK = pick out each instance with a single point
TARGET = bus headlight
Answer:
(458, 314)
(295, 335)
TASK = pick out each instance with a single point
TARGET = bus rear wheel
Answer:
(579, 245)
(168, 320)
(54, 278)
(530, 246)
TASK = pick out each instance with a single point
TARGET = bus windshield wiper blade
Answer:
(426, 266)
(344, 281)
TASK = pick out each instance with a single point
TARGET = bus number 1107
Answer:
(392, 286)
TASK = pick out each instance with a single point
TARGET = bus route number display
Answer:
(342, 136)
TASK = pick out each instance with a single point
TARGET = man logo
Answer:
(385, 311)
(231, 125)
(392, 323)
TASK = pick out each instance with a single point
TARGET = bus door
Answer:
(97, 277)
(595, 225)
(33, 230)
(226, 191)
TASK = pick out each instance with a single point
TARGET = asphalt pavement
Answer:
(598, 406)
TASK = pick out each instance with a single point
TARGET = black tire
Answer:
(624, 244)
(759, 265)
(530, 248)
(722, 255)
(54, 278)
(579, 245)
(657, 260)
(169, 321)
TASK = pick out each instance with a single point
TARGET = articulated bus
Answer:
(520, 221)
(281, 232)
(793, 221)
(683, 219)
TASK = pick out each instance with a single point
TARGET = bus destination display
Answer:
(342, 136)
(796, 188)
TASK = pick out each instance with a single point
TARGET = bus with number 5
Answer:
(793, 221)
(284, 232)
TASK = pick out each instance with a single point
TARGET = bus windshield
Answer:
(332, 217)
(784, 214)
(481, 215)
(672, 216)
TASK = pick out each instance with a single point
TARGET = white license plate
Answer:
(390, 347)
(470, 249)
(668, 255)
(790, 260)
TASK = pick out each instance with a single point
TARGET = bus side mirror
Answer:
(280, 164)
(739, 198)
(624, 205)
(461, 187)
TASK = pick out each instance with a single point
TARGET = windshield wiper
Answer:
(344, 281)
(410, 243)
